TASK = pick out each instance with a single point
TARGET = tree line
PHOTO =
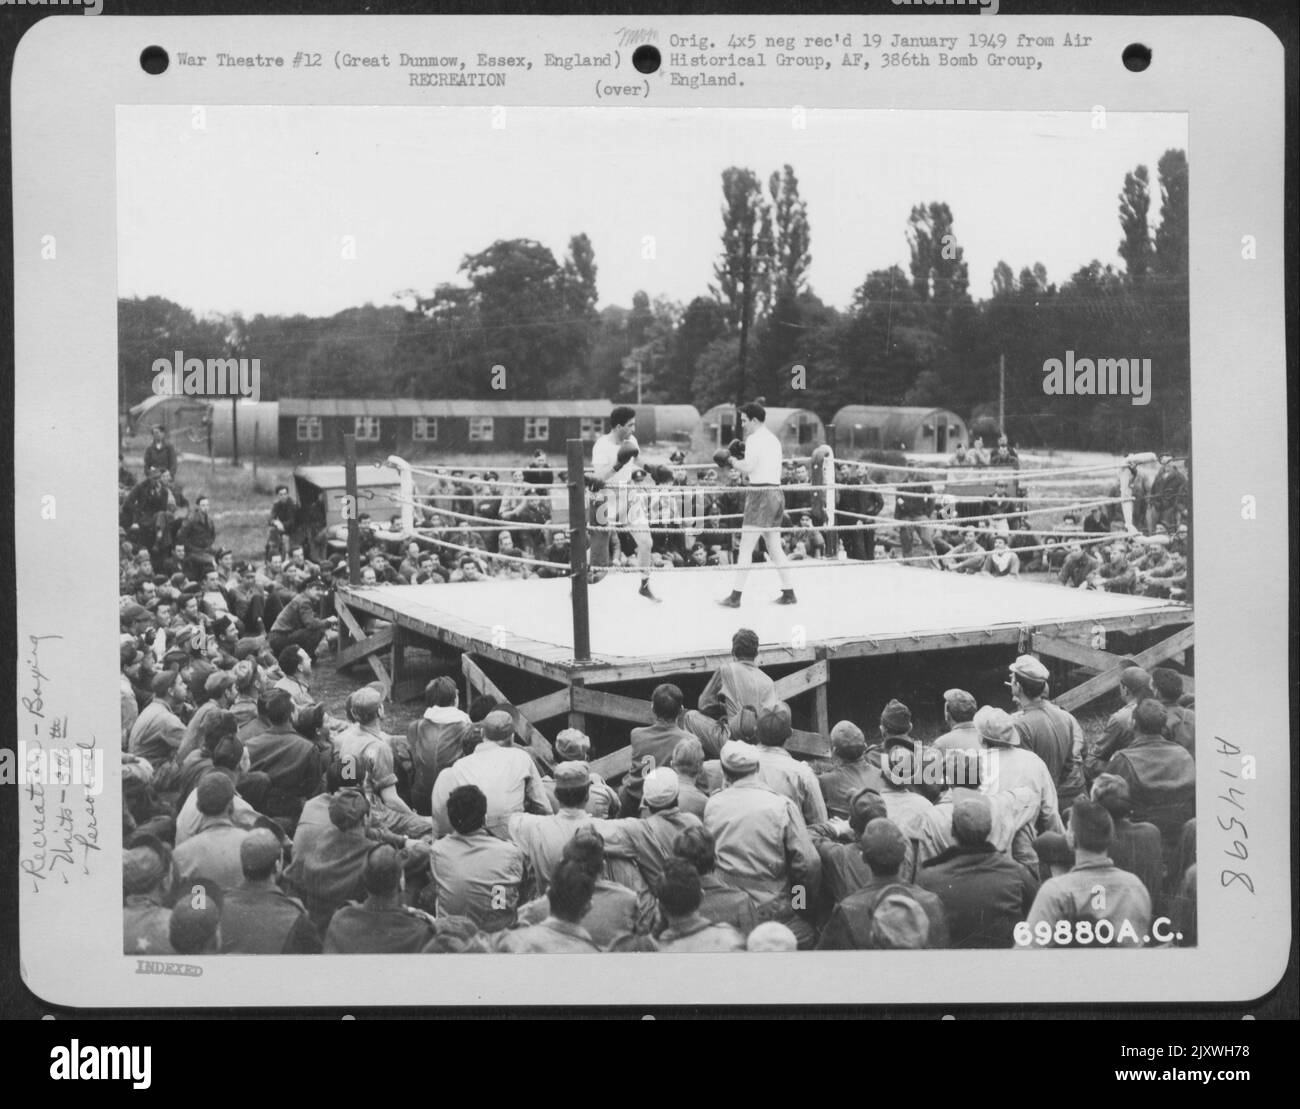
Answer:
(914, 337)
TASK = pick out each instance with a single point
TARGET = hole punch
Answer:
(1137, 57)
(646, 59)
(154, 60)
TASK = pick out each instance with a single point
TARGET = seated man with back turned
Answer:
(571, 745)
(477, 875)
(1160, 773)
(437, 739)
(1094, 891)
(762, 844)
(781, 770)
(850, 927)
(382, 924)
(680, 896)
(653, 744)
(258, 917)
(505, 773)
(853, 771)
(569, 899)
(735, 685)
(984, 891)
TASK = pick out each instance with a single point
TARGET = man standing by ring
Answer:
(758, 457)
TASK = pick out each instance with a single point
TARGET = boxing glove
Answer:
(722, 457)
(736, 449)
(626, 453)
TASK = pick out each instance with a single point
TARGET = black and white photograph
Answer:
(783, 491)
(525, 550)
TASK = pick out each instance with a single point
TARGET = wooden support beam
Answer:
(545, 707)
(612, 705)
(397, 665)
(1074, 653)
(358, 634)
(810, 677)
(538, 744)
(577, 718)
(821, 702)
(613, 765)
(1088, 657)
(1103, 683)
(349, 656)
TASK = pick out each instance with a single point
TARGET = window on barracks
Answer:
(309, 429)
(537, 429)
(480, 429)
(367, 429)
(591, 428)
(424, 429)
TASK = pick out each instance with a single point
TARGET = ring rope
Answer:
(714, 522)
(803, 563)
(488, 557)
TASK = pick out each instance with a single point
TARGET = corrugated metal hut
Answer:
(662, 423)
(900, 428)
(799, 429)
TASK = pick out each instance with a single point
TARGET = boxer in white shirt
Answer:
(613, 459)
(758, 457)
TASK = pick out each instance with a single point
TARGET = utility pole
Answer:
(234, 431)
(638, 381)
(1002, 394)
(747, 276)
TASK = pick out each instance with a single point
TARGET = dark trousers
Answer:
(251, 615)
(198, 563)
(305, 638)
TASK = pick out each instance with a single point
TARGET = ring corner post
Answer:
(578, 550)
(351, 506)
(406, 490)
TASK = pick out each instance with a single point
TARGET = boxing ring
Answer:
(583, 641)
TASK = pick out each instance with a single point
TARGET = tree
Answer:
(1170, 258)
(640, 319)
(780, 326)
(1004, 281)
(1134, 203)
(523, 313)
(579, 295)
(939, 271)
(743, 271)
(703, 322)
(715, 373)
(651, 332)
(793, 237)
(889, 339)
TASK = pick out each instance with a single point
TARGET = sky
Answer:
(255, 211)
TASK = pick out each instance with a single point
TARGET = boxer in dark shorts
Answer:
(764, 507)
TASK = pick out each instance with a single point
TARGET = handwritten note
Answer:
(1239, 768)
(60, 775)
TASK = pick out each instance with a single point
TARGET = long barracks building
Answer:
(312, 430)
